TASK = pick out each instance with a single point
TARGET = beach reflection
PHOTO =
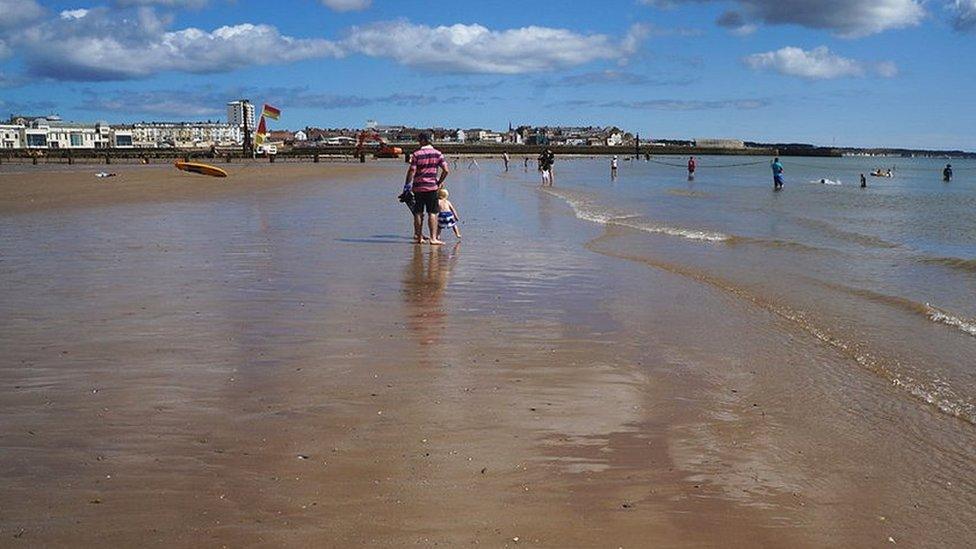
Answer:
(424, 280)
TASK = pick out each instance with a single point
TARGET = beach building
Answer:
(239, 111)
(11, 136)
(54, 133)
(122, 139)
(185, 134)
(340, 140)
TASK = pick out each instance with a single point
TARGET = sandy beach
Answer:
(266, 360)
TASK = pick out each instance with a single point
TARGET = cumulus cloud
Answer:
(68, 15)
(477, 49)
(347, 5)
(964, 15)
(849, 18)
(102, 44)
(14, 13)
(816, 64)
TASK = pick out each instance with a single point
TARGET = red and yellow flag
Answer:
(262, 132)
(271, 112)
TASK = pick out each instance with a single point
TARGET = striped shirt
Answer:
(426, 162)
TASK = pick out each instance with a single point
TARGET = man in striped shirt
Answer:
(424, 180)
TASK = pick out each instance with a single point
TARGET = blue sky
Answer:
(850, 72)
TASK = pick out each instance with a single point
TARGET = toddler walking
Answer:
(448, 216)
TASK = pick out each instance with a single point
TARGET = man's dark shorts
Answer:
(425, 200)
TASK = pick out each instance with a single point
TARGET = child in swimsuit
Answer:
(448, 216)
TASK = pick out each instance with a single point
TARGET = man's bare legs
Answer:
(432, 225)
(418, 227)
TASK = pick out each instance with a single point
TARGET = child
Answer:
(448, 216)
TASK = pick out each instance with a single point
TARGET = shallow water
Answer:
(885, 274)
(700, 350)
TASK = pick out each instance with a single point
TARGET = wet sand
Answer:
(266, 360)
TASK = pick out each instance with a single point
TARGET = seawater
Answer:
(885, 275)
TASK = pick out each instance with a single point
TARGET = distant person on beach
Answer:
(692, 165)
(525, 163)
(613, 167)
(947, 173)
(777, 167)
(546, 160)
(505, 158)
(864, 182)
(448, 217)
(424, 181)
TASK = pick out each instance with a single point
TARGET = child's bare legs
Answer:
(457, 232)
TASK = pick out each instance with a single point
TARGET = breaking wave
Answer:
(968, 265)
(587, 210)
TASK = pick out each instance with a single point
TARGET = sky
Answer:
(895, 73)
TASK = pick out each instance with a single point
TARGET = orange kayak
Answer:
(202, 169)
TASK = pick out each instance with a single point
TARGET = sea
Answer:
(886, 274)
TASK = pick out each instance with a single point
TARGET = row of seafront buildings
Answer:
(51, 132)
(523, 135)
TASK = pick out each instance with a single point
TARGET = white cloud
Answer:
(964, 18)
(14, 13)
(68, 15)
(112, 45)
(816, 64)
(849, 18)
(477, 49)
(347, 5)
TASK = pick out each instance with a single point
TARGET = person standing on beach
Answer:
(692, 165)
(777, 167)
(505, 158)
(864, 182)
(546, 160)
(947, 173)
(613, 167)
(423, 179)
(525, 163)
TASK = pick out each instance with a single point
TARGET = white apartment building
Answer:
(53, 133)
(11, 136)
(238, 111)
(185, 134)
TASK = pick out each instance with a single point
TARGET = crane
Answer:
(385, 150)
